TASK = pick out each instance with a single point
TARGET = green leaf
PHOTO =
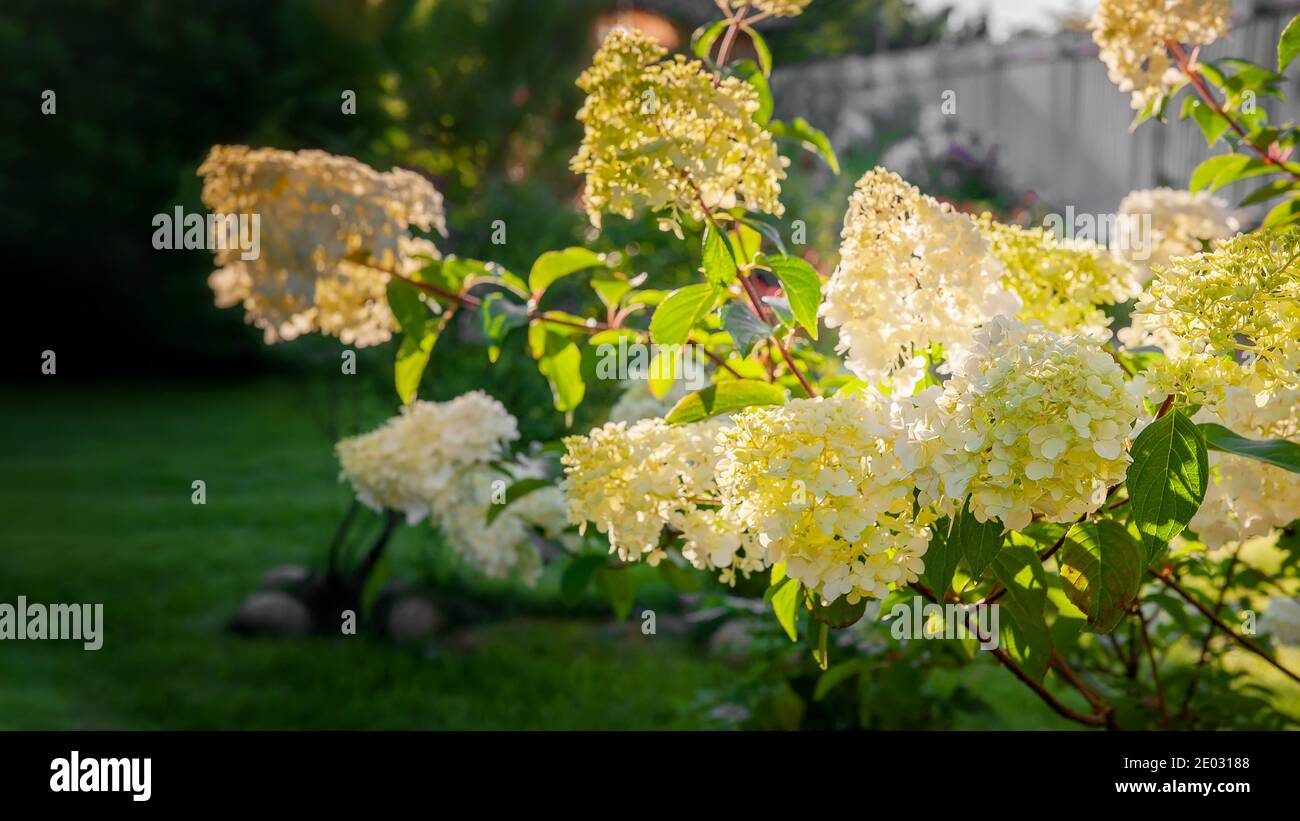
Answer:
(1101, 566)
(724, 397)
(1277, 452)
(834, 676)
(662, 371)
(803, 289)
(618, 587)
(554, 265)
(1289, 44)
(1166, 479)
(761, 49)
(781, 307)
(419, 334)
(1223, 169)
(611, 289)
(518, 490)
(497, 317)
(577, 576)
(745, 327)
(1284, 213)
(978, 541)
(705, 36)
(1266, 192)
(1025, 636)
(719, 266)
(1212, 125)
(749, 71)
(784, 596)
(837, 614)
(941, 558)
(676, 316)
(559, 359)
(810, 139)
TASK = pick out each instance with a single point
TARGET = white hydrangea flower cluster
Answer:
(413, 460)
(1282, 620)
(1245, 497)
(318, 211)
(664, 134)
(1226, 317)
(1031, 423)
(634, 480)
(1132, 35)
(1180, 224)
(913, 273)
(775, 8)
(1060, 281)
(820, 483)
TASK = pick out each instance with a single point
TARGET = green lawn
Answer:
(95, 505)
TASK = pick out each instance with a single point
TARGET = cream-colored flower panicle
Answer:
(1132, 36)
(1157, 224)
(632, 481)
(1060, 281)
(1227, 317)
(913, 273)
(661, 134)
(775, 8)
(819, 481)
(1245, 497)
(412, 461)
(317, 211)
(1030, 423)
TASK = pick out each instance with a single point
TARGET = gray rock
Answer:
(414, 618)
(284, 576)
(272, 613)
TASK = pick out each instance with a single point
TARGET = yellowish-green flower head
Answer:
(633, 481)
(666, 135)
(1132, 34)
(1060, 281)
(1031, 423)
(1228, 316)
(410, 464)
(819, 482)
(317, 211)
(913, 273)
(1247, 497)
(775, 8)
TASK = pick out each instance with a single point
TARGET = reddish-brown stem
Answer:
(1203, 90)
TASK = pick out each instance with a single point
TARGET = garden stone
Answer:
(272, 613)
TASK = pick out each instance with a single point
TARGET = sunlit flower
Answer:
(667, 135)
(317, 211)
(819, 482)
(913, 274)
(1155, 225)
(1132, 35)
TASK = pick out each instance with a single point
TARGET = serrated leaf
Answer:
(1101, 566)
(677, 314)
(1288, 46)
(941, 558)
(745, 327)
(719, 266)
(1167, 479)
(724, 397)
(1277, 452)
(554, 265)
(803, 289)
(514, 492)
(1025, 636)
(978, 541)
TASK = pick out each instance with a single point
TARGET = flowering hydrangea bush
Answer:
(982, 439)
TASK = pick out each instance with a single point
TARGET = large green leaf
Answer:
(1277, 452)
(676, 315)
(1101, 566)
(724, 397)
(1222, 169)
(719, 266)
(1024, 631)
(554, 265)
(941, 558)
(1288, 46)
(978, 541)
(559, 359)
(803, 289)
(784, 596)
(419, 334)
(1167, 479)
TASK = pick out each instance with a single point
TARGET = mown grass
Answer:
(95, 507)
